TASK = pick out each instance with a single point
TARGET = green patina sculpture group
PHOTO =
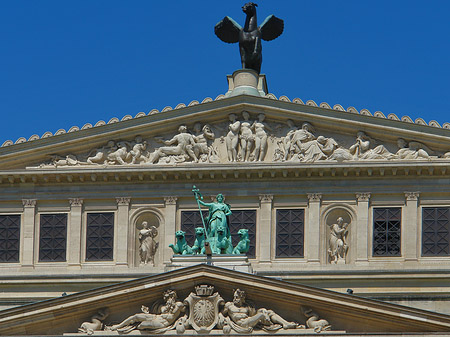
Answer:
(214, 237)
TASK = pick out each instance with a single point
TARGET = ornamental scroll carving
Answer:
(246, 138)
(205, 311)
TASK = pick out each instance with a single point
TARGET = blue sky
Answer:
(66, 63)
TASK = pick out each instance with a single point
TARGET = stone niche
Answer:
(338, 227)
(146, 227)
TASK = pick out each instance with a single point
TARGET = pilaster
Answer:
(29, 215)
(74, 232)
(410, 226)
(265, 227)
(361, 230)
(123, 206)
(312, 233)
(170, 223)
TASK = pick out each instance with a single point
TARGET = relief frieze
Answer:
(246, 138)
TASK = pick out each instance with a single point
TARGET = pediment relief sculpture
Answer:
(247, 138)
(203, 311)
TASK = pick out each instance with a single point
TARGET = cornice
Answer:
(228, 172)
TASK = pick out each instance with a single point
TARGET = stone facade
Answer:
(331, 198)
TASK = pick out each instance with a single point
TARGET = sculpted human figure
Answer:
(232, 138)
(338, 246)
(218, 212)
(148, 245)
(361, 148)
(246, 136)
(260, 137)
(184, 145)
(118, 156)
(304, 143)
(246, 316)
(203, 139)
(412, 150)
(168, 314)
(287, 140)
(137, 150)
(98, 156)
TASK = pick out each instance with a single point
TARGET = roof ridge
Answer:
(338, 107)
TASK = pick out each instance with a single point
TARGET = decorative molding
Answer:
(76, 202)
(123, 201)
(365, 196)
(412, 196)
(170, 200)
(29, 202)
(314, 197)
(266, 197)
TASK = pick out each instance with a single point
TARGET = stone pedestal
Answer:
(246, 82)
(233, 262)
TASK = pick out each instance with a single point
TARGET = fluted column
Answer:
(361, 230)
(264, 229)
(170, 223)
(312, 232)
(29, 214)
(74, 232)
(123, 206)
(410, 226)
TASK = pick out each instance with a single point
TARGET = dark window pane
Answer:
(290, 232)
(100, 237)
(53, 237)
(435, 231)
(9, 238)
(386, 231)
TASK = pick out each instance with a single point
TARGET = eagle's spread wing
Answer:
(271, 28)
(228, 30)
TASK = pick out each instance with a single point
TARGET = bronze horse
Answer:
(250, 36)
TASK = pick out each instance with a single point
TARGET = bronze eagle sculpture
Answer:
(250, 36)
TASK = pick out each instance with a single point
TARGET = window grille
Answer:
(238, 219)
(53, 237)
(100, 237)
(435, 231)
(387, 231)
(9, 238)
(290, 232)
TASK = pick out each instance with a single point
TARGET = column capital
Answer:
(123, 201)
(266, 197)
(412, 196)
(170, 200)
(76, 202)
(29, 202)
(363, 196)
(316, 197)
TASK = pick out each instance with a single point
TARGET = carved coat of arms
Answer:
(203, 308)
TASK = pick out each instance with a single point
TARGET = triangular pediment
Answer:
(271, 130)
(345, 313)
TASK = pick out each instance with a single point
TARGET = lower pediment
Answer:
(204, 299)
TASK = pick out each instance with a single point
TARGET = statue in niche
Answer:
(147, 243)
(232, 138)
(305, 145)
(96, 323)
(338, 247)
(243, 318)
(164, 320)
(246, 137)
(412, 150)
(182, 150)
(203, 148)
(260, 137)
(361, 149)
(99, 156)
